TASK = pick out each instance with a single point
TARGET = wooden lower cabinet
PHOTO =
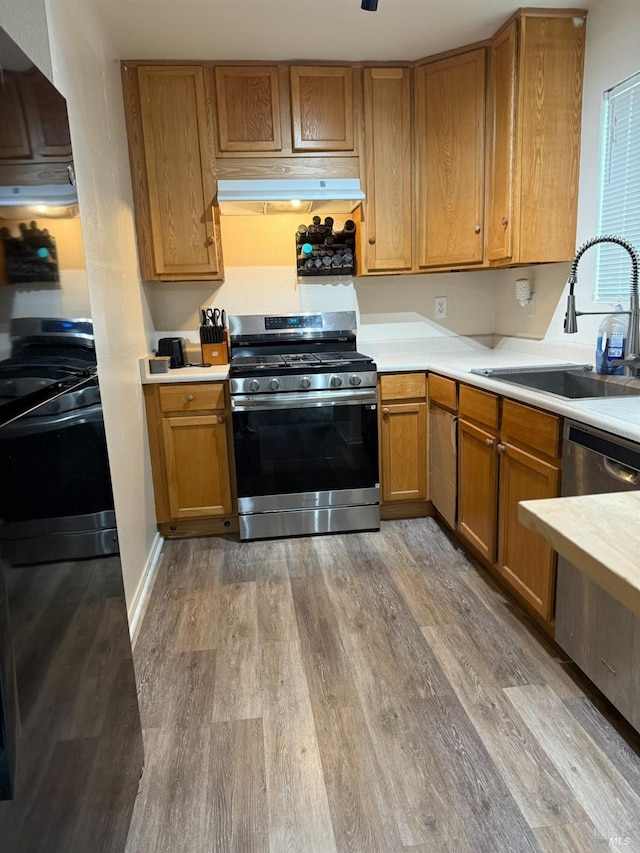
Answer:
(191, 459)
(525, 560)
(404, 446)
(507, 453)
(197, 461)
(403, 443)
(478, 488)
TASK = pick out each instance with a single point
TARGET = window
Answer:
(620, 188)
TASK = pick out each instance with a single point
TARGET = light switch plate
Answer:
(440, 307)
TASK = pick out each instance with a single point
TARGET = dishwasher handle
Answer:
(622, 472)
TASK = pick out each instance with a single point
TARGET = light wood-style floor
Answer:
(365, 692)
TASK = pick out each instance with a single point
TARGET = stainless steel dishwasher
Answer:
(600, 634)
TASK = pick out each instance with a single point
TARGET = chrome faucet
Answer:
(631, 360)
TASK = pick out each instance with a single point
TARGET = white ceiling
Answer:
(301, 29)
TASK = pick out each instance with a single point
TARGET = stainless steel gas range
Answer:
(305, 425)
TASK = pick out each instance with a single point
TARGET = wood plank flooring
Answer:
(366, 692)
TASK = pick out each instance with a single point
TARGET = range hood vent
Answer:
(253, 196)
(52, 195)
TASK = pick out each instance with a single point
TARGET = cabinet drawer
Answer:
(443, 392)
(537, 430)
(480, 406)
(191, 397)
(403, 386)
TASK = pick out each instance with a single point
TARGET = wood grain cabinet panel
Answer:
(403, 433)
(478, 488)
(387, 132)
(196, 456)
(191, 447)
(450, 146)
(403, 386)
(14, 131)
(480, 406)
(171, 147)
(535, 101)
(525, 560)
(248, 99)
(497, 470)
(444, 392)
(322, 108)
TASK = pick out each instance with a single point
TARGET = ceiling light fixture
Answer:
(369, 5)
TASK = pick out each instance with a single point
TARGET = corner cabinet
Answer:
(535, 105)
(387, 239)
(403, 442)
(171, 150)
(190, 443)
(450, 158)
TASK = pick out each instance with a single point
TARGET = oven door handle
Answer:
(308, 400)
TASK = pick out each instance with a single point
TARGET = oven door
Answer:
(302, 451)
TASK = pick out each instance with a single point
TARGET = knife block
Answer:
(215, 353)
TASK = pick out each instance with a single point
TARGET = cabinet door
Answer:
(403, 433)
(248, 108)
(502, 109)
(525, 560)
(549, 123)
(177, 133)
(450, 116)
(478, 488)
(322, 108)
(443, 465)
(14, 131)
(196, 453)
(387, 129)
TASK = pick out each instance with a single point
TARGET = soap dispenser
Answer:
(612, 337)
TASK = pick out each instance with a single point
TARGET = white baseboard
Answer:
(139, 604)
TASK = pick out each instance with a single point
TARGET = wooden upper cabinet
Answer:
(387, 136)
(536, 103)
(502, 106)
(171, 145)
(248, 100)
(322, 108)
(34, 127)
(450, 146)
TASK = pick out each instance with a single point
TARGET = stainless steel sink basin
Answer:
(573, 381)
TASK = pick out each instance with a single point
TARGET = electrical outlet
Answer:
(440, 307)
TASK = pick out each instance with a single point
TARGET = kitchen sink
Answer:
(573, 381)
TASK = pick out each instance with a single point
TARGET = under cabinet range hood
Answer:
(289, 195)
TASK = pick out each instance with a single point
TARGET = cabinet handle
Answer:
(504, 221)
(477, 229)
(209, 241)
(385, 412)
(221, 419)
(501, 448)
(189, 397)
(372, 240)
(489, 442)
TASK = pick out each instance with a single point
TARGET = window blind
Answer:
(620, 189)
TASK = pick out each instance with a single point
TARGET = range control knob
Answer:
(305, 382)
(354, 379)
(274, 384)
(253, 385)
(336, 381)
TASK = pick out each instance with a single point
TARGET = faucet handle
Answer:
(631, 362)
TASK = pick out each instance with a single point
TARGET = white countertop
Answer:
(598, 534)
(183, 374)
(456, 357)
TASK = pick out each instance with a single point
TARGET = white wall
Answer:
(88, 76)
(26, 23)
(612, 54)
